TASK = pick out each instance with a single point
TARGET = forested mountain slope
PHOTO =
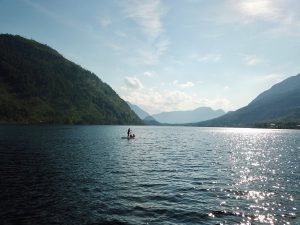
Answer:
(37, 84)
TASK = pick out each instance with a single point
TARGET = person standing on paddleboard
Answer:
(128, 132)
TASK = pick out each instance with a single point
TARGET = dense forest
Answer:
(38, 85)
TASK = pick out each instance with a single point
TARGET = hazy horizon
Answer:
(169, 55)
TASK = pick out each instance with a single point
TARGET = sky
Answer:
(167, 55)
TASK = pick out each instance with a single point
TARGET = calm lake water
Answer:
(167, 175)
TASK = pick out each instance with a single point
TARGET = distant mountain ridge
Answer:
(190, 116)
(38, 85)
(143, 115)
(149, 120)
(138, 110)
(280, 104)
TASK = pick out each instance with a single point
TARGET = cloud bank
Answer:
(154, 100)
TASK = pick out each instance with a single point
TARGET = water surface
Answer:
(167, 175)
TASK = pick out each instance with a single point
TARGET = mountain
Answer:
(181, 117)
(279, 105)
(149, 120)
(139, 111)
(37, 84)
(143, 115)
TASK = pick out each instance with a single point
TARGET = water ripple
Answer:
(167, 175)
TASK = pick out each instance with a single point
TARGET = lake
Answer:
(167, 175)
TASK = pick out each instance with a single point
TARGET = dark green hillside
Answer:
(277, 107)
(37, 84)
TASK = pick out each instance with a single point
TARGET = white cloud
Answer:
(161, 45)
(149, 73)
(133, 83)
(155, 101)
(289, 25)
(226, 88)
(280, 12)
(211, 57)
(147, 14)
(187, 84)
(259, 9)
(104, 22)
(252, 60)
(150, 53)
(144, 56)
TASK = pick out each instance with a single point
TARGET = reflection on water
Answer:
(263, 164)
(167, 175)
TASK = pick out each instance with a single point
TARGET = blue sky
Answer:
(169, 55)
